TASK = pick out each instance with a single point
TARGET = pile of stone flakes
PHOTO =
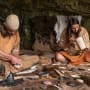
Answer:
(52, 76)
(58, 76)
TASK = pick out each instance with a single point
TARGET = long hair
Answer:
(71, 22)
(4, 32)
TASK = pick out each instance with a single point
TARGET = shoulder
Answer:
(83, 30)
(17, 33)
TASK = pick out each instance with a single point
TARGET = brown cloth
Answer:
(76, 60)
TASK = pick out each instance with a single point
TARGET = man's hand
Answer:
(15, 60)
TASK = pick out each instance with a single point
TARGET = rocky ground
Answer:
(50, 76)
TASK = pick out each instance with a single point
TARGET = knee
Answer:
(61, 58)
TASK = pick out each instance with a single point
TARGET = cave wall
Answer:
(86, 23)
(28, 9)
(38, 24)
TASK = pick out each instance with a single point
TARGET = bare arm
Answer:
(4, 56)
(8, 57)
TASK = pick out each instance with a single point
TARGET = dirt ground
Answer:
(46, 75)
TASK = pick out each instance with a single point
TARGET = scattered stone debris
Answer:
(51, 76)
